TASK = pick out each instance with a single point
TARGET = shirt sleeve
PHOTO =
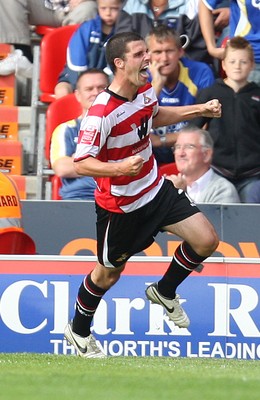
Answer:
(78, 47)
(211, 4)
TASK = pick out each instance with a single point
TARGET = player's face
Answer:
(136, 63)
(237, 65)
(166, 54)
(108, 11)
(190, 156)
(90, 86)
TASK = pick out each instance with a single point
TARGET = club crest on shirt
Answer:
(89, 134)
(147, 99)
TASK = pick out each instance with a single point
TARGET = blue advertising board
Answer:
(37, 295)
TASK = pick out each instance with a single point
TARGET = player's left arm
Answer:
(172, 115)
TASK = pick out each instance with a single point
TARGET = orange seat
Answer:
(9, 122)
(16, 242)
(11, 157)
(169, 169)
(7, 90)
(53, 52)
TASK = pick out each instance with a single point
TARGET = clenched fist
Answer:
(132, 165)
(211, 109)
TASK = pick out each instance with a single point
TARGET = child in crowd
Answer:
(236, 132)
(87, 46)
(244, 21)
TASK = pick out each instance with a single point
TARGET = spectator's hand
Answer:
(216, 52)
(132, 165)
(211, 109)
(158, 80)
(179, 181)
(221, 16)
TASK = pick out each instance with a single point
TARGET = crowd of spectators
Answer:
(188, 64)
(18, 17)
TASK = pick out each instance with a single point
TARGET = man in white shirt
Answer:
(193, 154)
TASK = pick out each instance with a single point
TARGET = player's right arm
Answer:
(91, 166)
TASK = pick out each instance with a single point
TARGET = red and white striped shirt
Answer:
(113, 130)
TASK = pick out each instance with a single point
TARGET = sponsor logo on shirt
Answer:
(89, 134)
(147, 99)
(120, 113)
(169, 100)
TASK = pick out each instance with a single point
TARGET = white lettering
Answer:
(123, 314)
(240, 314)
(61, 305)
(10, 312)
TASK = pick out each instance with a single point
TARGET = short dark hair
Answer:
(162, 32)
(117, 46)
(91, 71)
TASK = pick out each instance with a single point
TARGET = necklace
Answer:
(156, 8)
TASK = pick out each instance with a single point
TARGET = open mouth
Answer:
(143, 72)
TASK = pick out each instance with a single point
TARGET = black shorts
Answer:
(120, 236)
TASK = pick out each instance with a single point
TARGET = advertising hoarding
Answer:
(37, 295)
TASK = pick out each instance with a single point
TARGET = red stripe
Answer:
(87, 308)
(95, 293)
(182, 257)
(25, 267)
(119, 153)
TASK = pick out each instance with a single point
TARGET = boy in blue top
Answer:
(86, 48)
(176, 80)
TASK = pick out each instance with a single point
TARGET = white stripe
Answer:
(135, 187)
(145, 199)
(182, 265)
(107, 263)
(186, 258)
(90, 291)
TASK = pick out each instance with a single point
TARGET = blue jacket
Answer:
(86, 50)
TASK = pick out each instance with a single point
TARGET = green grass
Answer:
(38, 377)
